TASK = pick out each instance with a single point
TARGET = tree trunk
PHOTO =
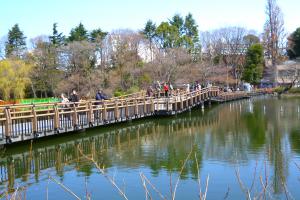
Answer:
(33, 90)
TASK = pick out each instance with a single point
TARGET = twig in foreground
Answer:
(64, 187)
(121, 192)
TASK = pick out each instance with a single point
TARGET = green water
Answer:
(246, 148)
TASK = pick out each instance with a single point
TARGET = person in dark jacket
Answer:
(100, 96)
(74, 97)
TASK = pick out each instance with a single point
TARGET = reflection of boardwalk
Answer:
(24, 165)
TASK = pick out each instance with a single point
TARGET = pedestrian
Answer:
(166, 89)
(74, 96)
(149, 91)
(64, 101)
(99, 95)
(187, 88)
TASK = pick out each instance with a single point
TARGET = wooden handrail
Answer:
(65, 117)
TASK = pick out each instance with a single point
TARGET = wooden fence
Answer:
(25, 122)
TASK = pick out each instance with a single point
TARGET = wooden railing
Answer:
(25, 122)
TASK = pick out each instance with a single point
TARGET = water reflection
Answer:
(238, 132)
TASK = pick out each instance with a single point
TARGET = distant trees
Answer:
(274, 33)
(16, 44)
(294, 44)
(125, 61)
(14, 77)
(175, 33)
(251, 39)
(45, 73)
(56, 39)
(254, 64)
(79, 33)
(149, 33)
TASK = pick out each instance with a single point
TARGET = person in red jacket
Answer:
(166, 89)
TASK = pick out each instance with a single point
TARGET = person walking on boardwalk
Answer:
(64, 100)
(74, 97)
(149, 91)
(99, 96)
(166, 89)
(187, 88)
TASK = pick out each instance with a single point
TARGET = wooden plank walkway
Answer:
(26, 122)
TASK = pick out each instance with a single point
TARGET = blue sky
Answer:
(35, 17)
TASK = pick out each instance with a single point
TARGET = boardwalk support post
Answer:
(116, 111)
(136, 109)
(34, 122)
(90, 114)
(104, 114)
(56, 119)
(126, 110)
(75, 117)
(8, 124)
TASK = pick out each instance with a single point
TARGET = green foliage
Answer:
(97, 35)
(14, 77)
(294, 44)
(178, 32)
(251, 39)
(149, 31)
(294, 90)
(78, 33)
(167, 35)
(119, 92)
(254, 64)
(57, 39)
(279, 89)
(133, 89)
(15, 44)
(217, 59)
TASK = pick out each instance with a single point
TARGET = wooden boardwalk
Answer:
(26, 122)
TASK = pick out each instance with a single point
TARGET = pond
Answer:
(247, 148)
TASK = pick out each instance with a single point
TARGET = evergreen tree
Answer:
(97, 34)
(191, 36)
(250, 39)
(168, 35)
(254, 64)
(178, 22)
(149, 33)
(15, 45)
(79, 33)
(294, 44)
(57, 39)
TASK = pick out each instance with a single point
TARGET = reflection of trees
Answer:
(295, 140)
(226, 132)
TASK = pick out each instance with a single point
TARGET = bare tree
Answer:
(226, 47)
(274, 34)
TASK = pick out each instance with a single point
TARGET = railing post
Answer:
(90, 113)
(104, 114)
(187, 102)
(145, 107)
(136, 108)
(152, 105)
(8, 124)
(181, 103)
(175, 106)
(126, 110)
(116, 112)
(75, 117)
(167, 104)
(56, 118)
(34, 121)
